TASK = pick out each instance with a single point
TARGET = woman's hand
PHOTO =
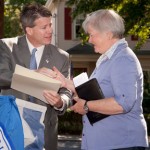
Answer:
(78, 106)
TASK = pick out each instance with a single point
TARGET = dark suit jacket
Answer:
(15, 51)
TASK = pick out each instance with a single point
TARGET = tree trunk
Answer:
(1, 18)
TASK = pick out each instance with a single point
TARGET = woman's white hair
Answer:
(105, 20)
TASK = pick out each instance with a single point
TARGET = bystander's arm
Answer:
(7, 66)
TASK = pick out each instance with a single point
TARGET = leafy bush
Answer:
(147, 118)
(70, 123)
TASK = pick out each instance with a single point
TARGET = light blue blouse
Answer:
(120, 76)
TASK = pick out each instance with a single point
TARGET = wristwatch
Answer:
(85, 107)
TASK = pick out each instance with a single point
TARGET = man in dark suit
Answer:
(36, 21)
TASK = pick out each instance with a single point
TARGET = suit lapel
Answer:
(23, 52)
(46, 60)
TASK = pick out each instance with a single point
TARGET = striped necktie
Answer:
(33, 64)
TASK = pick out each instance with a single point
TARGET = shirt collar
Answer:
(112, 49)
(108, 54)
(31, 47)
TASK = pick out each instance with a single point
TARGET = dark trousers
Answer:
(132, 148)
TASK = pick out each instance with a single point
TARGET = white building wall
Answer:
(62, 43)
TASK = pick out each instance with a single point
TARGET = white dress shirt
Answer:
(38, 53)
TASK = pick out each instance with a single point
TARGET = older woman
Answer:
(120, 76)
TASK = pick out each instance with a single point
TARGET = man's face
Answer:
(41, 33)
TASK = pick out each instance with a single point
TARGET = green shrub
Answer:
(147, 118)
(70, 123)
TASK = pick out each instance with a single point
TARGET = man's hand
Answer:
(67, 83)
(53, 98)
(47, 72)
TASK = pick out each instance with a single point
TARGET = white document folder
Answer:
(33, 83)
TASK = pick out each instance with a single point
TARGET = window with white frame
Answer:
(77, 26)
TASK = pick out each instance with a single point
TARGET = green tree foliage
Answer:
(12, 9)
(136, 14)
(146, 102)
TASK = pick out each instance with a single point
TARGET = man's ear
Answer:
(29, 30)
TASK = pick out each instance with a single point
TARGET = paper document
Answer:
(80, 79)
(33, 83)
